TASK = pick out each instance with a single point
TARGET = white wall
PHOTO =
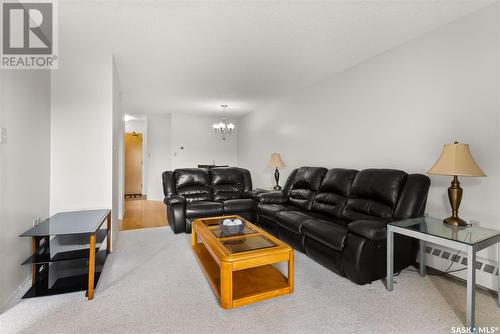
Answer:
(201, 145)
(118, 151)
(397, 110)
(82, 131)
(24, 171)
(163, 137)
(159, 153)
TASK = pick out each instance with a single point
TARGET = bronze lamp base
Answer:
(455, 221)
(277, 179)
(455, 193)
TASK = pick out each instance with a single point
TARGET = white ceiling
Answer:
(189, 56)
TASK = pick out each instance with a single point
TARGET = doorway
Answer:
(138, 211)
(133, 165)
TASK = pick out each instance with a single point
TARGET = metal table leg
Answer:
(108, 238)
(471, 285)
(390, 259)
(422, 258)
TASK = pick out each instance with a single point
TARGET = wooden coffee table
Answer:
(239, 267)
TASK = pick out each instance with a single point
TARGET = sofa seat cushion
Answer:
(293, 220)
(331, 233)
(204, 209)
(238, 205)
(270, 210)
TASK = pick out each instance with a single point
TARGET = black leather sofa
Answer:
(338, 217)
(192, 193)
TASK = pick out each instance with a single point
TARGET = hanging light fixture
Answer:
(223, 128)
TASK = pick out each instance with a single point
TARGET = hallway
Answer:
(143, 214)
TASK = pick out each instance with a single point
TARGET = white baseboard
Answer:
(16, 295)
(439, 258)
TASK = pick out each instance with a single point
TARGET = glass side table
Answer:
(469, 239)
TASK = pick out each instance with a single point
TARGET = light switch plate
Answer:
(3, 136)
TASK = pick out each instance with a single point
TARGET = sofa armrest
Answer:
(174, 199)
(273, 197)
(253, 194)
(176, 212)
(370, 229)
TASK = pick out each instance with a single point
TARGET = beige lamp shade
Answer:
(456, 159)
(276, 161)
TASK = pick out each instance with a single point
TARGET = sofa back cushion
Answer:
(304, 186)
(227, 183)
(374, 194)
(334, 191)
(193, 184)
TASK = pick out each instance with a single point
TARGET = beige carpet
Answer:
(153, 284)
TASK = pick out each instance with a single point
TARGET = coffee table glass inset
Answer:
(219, 233)
(239, 266)
(247, 244)
(247, 239)
(469, 239)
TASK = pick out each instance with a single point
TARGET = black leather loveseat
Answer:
(338, 217)
(192, 193)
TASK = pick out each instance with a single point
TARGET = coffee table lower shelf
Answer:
(248, 285)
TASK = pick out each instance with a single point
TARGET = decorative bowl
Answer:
(229, 230)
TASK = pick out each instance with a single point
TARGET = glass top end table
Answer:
(469, 239)
(469, 235)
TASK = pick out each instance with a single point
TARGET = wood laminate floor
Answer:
(143, 214)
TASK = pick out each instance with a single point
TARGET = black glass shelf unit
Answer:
(72, 222)
(77, 250)
(71, 277)
(68, 253)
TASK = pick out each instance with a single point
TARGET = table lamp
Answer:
(276, 162)
(456, 160)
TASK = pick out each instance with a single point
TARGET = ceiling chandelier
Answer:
(223, 128)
